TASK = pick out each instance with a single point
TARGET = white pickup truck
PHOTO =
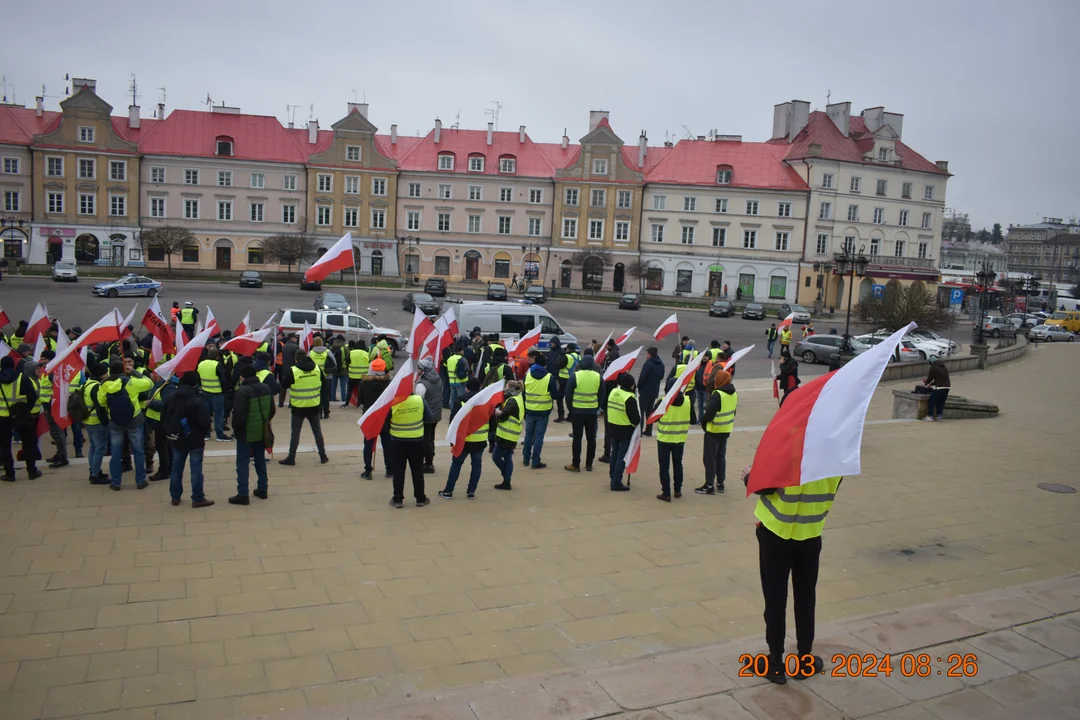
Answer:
(349, 324)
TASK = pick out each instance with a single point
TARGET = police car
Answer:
(130, 284)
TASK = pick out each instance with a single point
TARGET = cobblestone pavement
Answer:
(117, 605)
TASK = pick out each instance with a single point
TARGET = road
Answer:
(73, 305)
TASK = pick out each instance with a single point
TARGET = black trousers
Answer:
(161, 447)
(7, 460)
(354, 386)
(714, 457)
(777, 559)
(299, 415)
(559, 399)
(411, 453)
(583, 425)
(429, 443)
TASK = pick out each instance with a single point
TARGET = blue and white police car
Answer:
(130, 284)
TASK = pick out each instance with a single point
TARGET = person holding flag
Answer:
(371, 389)
(583, 406)
(623, 416)
(788, 378)
(509, 416)
(671, 431)
(357, 361)
(718, 422)
(785, 337)
(122, 394)
(405, 423)
(541, 389)
(566, 363)
(429, 379)
(97, 420)
(473, 446)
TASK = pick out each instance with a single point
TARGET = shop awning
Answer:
(56, 240)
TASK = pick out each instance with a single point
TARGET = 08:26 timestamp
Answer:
(866, 665)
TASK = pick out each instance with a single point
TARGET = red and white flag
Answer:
(6, 351)
(451, 321)
(633, 453)
(623, 364)
(104, 330)
(775, 380)
(786, 322)
(337, 259)
(422, 328)
(473, 415)
(4, 319)
(157, 353)
(38, 325)
(625, 336)
(186, 360)
(269, 322)
(817, 432)
(680, 382)
(247, 344)
(181, 337)
(401, 387)
(307, 337)
(735, 356)
(671, 325)
(441, 338)
(68, 369)
(528, 340)
(155, 323)
(245, 325)
(122, 324)
(39, 347)
(602, 352)
(62, 341)
(211, 322)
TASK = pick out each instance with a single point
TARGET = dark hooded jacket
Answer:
(650, 377)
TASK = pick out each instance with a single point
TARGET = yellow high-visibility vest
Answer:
(208, 376)
(616, 407)
(306, 388)
(407, 418)
(587, 389)
(724, 420)
(359, 362)
(509, 428)
(537, 395)
(673, 425)
(798, 512)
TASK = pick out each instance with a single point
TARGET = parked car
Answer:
(332, 301)
(496, 291)
(721, 308)
(65, 272)
(753, 311)
(129, 285)
(925, 334)
(802, 315)
(306, 284)
(1068, 319)
(906, 350)
(1050, 333)
(630, 301)
(250, 278)
(511, 320)
(824, 348)
(427, 304)
(536, 293)
(349, 324)
(1022, 320)
(996, 326)
(435, 287)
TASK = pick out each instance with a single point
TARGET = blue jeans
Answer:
(217, 407)
(176, 478)
(771, 344)
(245, 453)
(477, 458)
(445, 388)
(535, 429)
(77, 439)
(935, 406)
(342, 383)
(670, 454)
(504, 460)
(618, 460)
(456, 391)
(99, 438)
(136, 437)
(702, 397)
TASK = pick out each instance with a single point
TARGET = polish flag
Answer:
(68, 369)
(671, 325)
(247, 344)
(625, 336)
(186, 359)
(473, 415)
(401, 387)
(104, 330)
(157, 352)
(269, 322)
(122, 324)
(6, 351)
(39, 347)
(786, 322)
(775, 381)
(437, 341)
(633, 453)
(602, 352)
(680, 382)
(38, 325)
(155, 323)
(623, 364)
(4, 319)
(181, 337)
(337, 259)
(528, 340)
(245, 325)
(818, 433)
(307, 338)
(451, 321)
(422, 328)
(735, 356)
(62, 341)
(211, 322)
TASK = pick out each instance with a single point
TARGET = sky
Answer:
(987, 85)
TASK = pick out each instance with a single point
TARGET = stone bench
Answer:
(908, 405)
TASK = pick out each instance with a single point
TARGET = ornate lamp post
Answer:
(528, 249)
(409, 241)
(851, 265)
(985, 277)
(822, 269)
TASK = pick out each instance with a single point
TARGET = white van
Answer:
(349, 324)
(510, 320)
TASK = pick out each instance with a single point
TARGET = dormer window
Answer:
(352, 153)
(446, 162)
(476, 163)
(224, 146)
(723, 175)
(507, 165)
(883, 154)
(599, 167)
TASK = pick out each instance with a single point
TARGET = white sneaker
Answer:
(928, 419)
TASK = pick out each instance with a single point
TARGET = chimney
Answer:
(490, 135)
(781, 120)
(642, 149)
(133, 116)
(393, 134)
(358, 107)
(814, 150)
(565, 139)
(521, 134)
(224, 110)
(895, 121)
(595, 116)
(40, 103)
(789, 119)
(438, 130)
(840, 114)
(943, 165)
(161, 111)
(78, 84)
(873, 118)
(800, 116)
(312, 132)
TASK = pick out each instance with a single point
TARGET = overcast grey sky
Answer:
(989, 86)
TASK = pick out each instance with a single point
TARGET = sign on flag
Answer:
(473, 415)
(401, 387)
(155, 323)
(68, 369)
(245, 325)
(38, 325)
(528, 340)
(680, 382)
(186, 359)
(247, 344)
(337, 259)
(625, 336)
(671, 325)
(622, 365)
(602, 352)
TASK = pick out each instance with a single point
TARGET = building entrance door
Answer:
(224, 258)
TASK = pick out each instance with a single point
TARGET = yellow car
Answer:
(1068, 319)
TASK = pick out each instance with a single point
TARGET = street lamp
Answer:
(528, 249)
(985, 276)
(851, 265)
(409, 241)
(822, 269)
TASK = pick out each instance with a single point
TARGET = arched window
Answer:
(508, 164)
(86, 249)
(723, 174)
(502, 265)
(224, 145)
(446, 161)
(476, 162)
(254, 254)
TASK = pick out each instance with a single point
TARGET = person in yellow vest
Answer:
(540, 388)
(671, 430)
(509, 416)
(789, 527)
(123, 394)
(18, 394)
(213, 380)
(358, 363)
(381, 348)
(785, 339)
(566, 363)
(718, 422)
(188, 317)
(324, 359)
(623, 416)
(583, 406)
(305, 399)
(475, 444)
(97, 421)
(457, 372)
(45, 398)
(406, 435)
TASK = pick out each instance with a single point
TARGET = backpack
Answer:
(78, 410)
(121, 409)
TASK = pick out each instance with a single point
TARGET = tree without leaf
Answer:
(290, 249)
(170, 239)
(900, 304)
(638, 270)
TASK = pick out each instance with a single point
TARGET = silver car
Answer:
(824, 348)
(65, 272)
(1050, 333)
(129, 285)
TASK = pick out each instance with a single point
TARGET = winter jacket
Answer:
(538, 373)
(270, 381)
(330, 366)
(9, 376)
(433, 387)
(371, 388)
(288, 355)
(253, 405)
(187, 403)
(713, 406)
(340, 353)
(138, 388)
(789, 374)
(587, 363)
(650, 377)
(938, 377)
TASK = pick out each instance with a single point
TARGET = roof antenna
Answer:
(290, 112)
(134, 88)
(493, 113)
(457, 121)
(354, 95)
(208, 102)
(311, 112)
(828, 97)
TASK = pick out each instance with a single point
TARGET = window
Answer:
(659, 202)
(721, 205)
(856, 184)
(86, 204)
(502, 268)
(117, 170)
(751, 207)
(444, 222)
(507, 165)
(923, 249)
(378, 219)
(11, 201)
(777, 287)
(536, 196)
(749, 239)
(719, 237)
(474, 223)
(571, 196)
(506, 194)
(849, 243)
(255, 256)
(258, 180)
(723, 176)
(86, 169)
(879, 216)
(825, 211)
(118, 205)
(288, 182)
(224, 178)
(536, 226)
(598, 198)
(782, 240)
(875, 247)
(191, 209)
(352, 185)
(224, 147)
(155, 254)
(86, 133)
(881, 185)
(54, 167)
(351, 217)
(288, 214)
(596, 229)
(905, 190)
(325, 183)
(444, 192)
(599, 167)
(898, 251)
(446, 162)
(378, 186)
(256, 211)
(190, 254)
(476, 164)
(822, 243)
(569, 228)
(442, 264)
(414, 190)
(783, 209)
(157, 207)
(687, 234)
(684, 281)
(689, 204)
(654, 278)
(474, 192)
(504, 224)
(352, 153)
(657, 233)
(928, 192)
(903, 218)
(883, 155)
(191, 177)
(56, 203)
(412, 220)
(224, 210)
(827, 181)
(322, 215)
(11, 166)
(926, 220)
(853, 213)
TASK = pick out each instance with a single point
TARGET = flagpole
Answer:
(356, 287)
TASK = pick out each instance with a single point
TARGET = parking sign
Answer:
(877, 290)
(956, 296)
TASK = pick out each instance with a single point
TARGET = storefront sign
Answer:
(378, 245)
(51, 231)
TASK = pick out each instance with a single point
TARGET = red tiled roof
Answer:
(557, 156)
(120, 127)
(405, 143)
(322, 140)
(193, 133)
(754, 165)
(19, 125)
(531, 160)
